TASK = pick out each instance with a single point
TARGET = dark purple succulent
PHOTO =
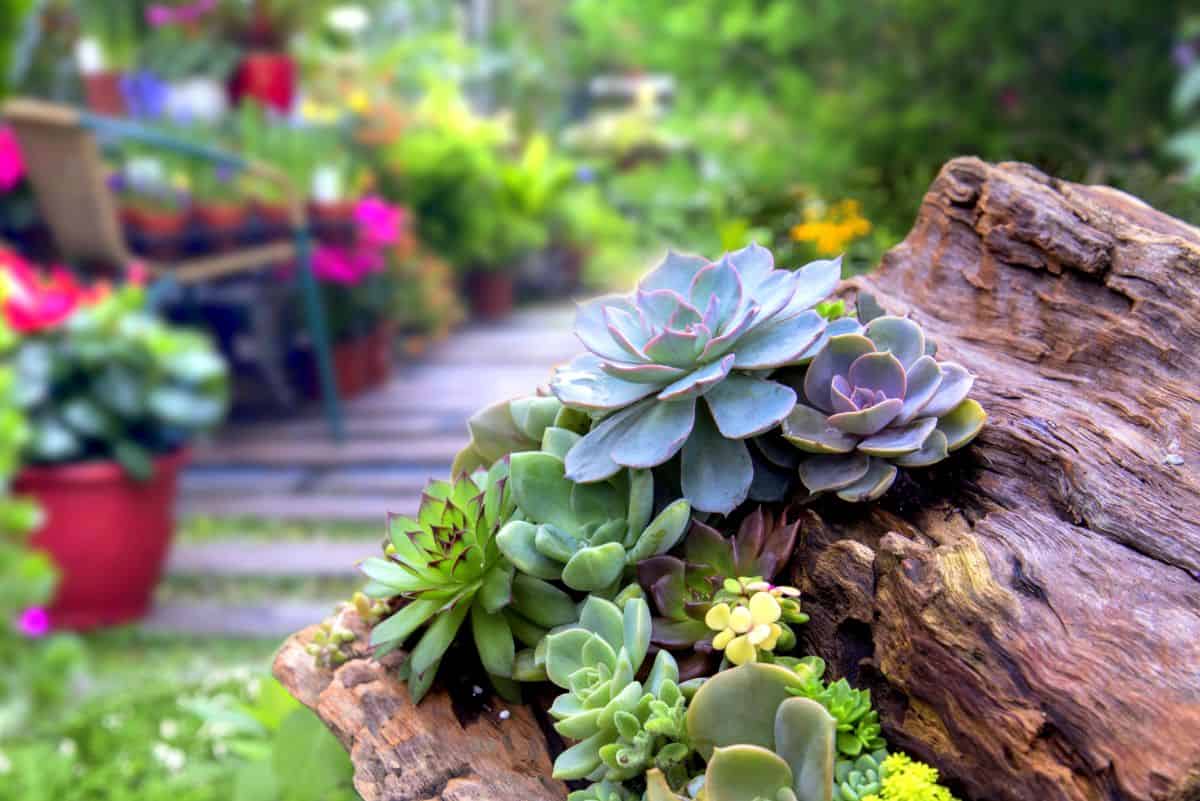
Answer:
(681, 590)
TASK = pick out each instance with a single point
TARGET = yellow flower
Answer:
(746, 628)
(832, 230)
(359, 101)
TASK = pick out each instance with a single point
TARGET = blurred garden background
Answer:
(303, 240)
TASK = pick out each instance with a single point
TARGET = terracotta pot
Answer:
(334, 223)
(102, 91)
(491, 294)
(351, 368)
(275, 219)
(159, 231)
(222, 222)
(380, 352)
(266, 76)
(107, 533)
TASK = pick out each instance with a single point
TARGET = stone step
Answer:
(217, 619)
(245, 557)
(265, 448)
(299, 505)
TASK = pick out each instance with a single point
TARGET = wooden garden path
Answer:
(398, 437)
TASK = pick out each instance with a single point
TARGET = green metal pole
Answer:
(319, 332)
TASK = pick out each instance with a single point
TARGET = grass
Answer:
(258, 589)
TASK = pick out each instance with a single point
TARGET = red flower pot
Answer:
(222, 222)
(102, 90)
(491, 294)
(268, 77)
(108, 534)
(334, 223)
(160, 231)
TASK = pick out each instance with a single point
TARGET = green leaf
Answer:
(255, 781)
(309, 761)
(438, 636)
(399, 626)
(594, 569)
(134, 459)
(493, 639)
(542, 603)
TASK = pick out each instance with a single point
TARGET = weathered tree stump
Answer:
(1027, 614)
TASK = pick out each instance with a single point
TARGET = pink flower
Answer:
(380, 222)
(158, 15)
(12, 165)
(34, 622)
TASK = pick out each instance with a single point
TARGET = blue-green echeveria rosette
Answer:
(874, 399)
(693, 329)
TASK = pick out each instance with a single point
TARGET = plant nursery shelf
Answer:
(1027, 613)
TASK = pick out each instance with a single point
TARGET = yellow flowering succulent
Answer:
(747, 623)
(905, 779)
(831, 230)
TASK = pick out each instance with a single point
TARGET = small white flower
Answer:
(112, 721)
(170, 758)
(350, 20)
(219, 749)
(5, 764)
(168, 729)
(505, 714)
(67, 748)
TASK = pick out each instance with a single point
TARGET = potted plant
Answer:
(107, 47)
(113, 396)
(218, 205)
(193, 64)
(154, 203)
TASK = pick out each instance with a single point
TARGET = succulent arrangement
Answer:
(621, 490)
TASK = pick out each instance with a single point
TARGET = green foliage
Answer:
(116, 382)
(117, 26)
(693, 330)
(623, 727)
(873, 400)
(445, 565)
(855, 779)
(903, 779)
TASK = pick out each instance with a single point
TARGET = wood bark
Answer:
(1027, 613)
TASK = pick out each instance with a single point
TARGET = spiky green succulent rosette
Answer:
(445, 566)
(692, 331)
(874, 399)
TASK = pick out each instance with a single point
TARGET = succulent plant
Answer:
(856, 779)
(683, 589)
(604, 791)
(514, 425)
(758, 739)
(858, 726)
(692, 330)
(586, 535)
(750, 619)
(874, 399)
(623, 726)
(446, 565)
(904, 779)
(332, 634)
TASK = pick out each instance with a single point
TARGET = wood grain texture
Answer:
(1027, 613)
(443, 750)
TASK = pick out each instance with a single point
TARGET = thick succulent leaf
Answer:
(591, 458)
(518, 542)
(876, 481)
(598, 652)
(641, 500)
(495, 590)
(679, 633)
(716, 472)
(809, 430)
(738, 706)
(655, 434)
(804, 739)
(493, 640)
(544, 604)
(732, 333)
(584, 385)
(933, 450)
(553, 542)
(834, 471)
(529, 633)
(591, 327)
(628, 329)
(771, 484)
(595, 568)
(603, 618)
(564, 654)
(395, 577)
(559, 441)
(880, 372)
(833, 360)
(754, 263)
(664, 669)
(665, 308)
(962, 424)
(743, 772)
(705, 545)
(438, 636)
(657, 788)
(495, 433)
(401, 625)
(898, 335)
(774, 293)
(745, 406)
(835, 328)
(956, 383)
(677, 348)
(526, 668)
(663, 533)
(637, 631)
(580, 726)
(675, 272)
(897, 441)
(596, 502)
(662, 579)
(533, 415)
(644, 373)
(815, 281)
(868, 421)
(779, 343)
(867, 308)
(582, 758)
(541, 489)
(922, 382)
(777, 450)
(698, 381)
(717, 290)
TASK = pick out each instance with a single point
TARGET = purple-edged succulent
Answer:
(693, 329)
(873, 400)
(682, 589)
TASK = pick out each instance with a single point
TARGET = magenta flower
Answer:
(34, 622)
(12, 165)
(380, 222)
